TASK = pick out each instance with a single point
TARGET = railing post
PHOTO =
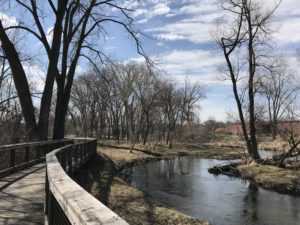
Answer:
(44, 150)
(47, 193)
(84, 153)
(76, 158)
(94, 147)
(37, 153)
(27, 154)
(79, 155)
(63, 161)
(69, 158)
(12, 162)
(50, 208)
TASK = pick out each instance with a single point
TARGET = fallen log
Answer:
(228, 169)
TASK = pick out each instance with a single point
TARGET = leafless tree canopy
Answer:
(246, 35)
(130, 101)
(278, 85)
(76, 24)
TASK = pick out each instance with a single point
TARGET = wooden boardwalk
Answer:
(22, 196)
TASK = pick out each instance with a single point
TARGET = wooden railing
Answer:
(19, 156)
(66, 202)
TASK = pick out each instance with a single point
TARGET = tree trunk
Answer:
(274, 128)
(251, 64)
(21, 84)
(52, 72)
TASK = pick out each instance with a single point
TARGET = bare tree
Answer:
(248, 33)
(292, 117)
(74, 25)
(170, 102)
(191, 93)
(279, 87)
(129, 100)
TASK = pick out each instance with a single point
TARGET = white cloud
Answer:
(288, 22)
(158, 9)
(35, 75)
(199, 19)
(191, 31)
(199, 7)
(171, 37)
(49, 35)
(200, 65)
(288, 32)
(289, 8)
(8, 20)
(139, 12)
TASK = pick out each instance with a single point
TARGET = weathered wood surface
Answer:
(17, 157)
(79, 206)
(22, 197)
(22, 194)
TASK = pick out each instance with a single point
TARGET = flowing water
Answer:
(184, 184)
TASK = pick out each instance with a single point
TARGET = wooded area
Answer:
(134, 101)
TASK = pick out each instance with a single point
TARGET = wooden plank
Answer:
(79, 206)
(22, 197)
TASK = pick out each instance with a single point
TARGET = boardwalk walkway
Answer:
(22, 197)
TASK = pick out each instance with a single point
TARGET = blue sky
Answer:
(179, 37)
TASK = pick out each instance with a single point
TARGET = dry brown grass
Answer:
(120, 156)
(132, 205)
(207, 151)
(270, 144)
(266, 143)
(269, 176)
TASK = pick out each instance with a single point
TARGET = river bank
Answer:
(282, 180)
(181, 149)
(100, 178)
(136, 207)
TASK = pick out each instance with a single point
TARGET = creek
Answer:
(184, 183)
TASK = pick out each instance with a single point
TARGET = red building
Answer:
(264, 128)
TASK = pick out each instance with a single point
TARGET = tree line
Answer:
(131, 101)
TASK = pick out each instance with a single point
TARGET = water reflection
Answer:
(251, 203)
(185, 184)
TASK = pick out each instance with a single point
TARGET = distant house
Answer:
(263, 127)
(234, 128)
(284, 127)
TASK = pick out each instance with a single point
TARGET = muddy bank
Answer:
(281, 180)
(100, 178)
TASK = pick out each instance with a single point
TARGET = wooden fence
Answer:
(66, 202)
(16, 157)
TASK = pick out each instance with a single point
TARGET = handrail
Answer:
(30, 144)
(15, 157)
(67, 202)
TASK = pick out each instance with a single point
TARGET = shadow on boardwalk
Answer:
(22, 196)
